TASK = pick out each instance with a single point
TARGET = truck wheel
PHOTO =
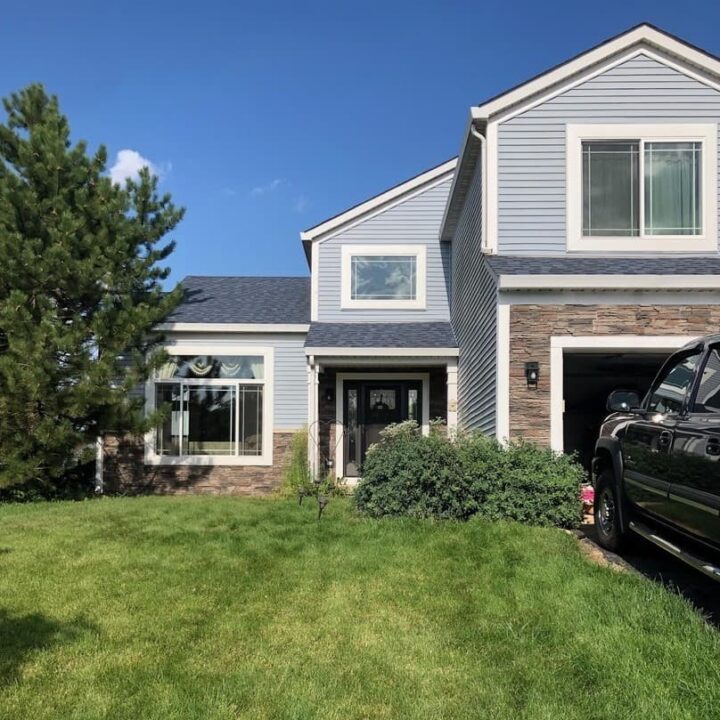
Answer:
(607, 512)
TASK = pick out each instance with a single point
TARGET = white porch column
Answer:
(313, 416)
(452, 409)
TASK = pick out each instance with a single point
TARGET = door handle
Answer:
(664, 439)
(713, 446)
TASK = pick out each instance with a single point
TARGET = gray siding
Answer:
(531, 146)
(474, 316)
(289, 376)
(415, 221)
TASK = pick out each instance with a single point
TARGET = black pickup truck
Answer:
(656, 468)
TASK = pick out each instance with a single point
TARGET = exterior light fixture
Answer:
(329, 395)
(532, 373)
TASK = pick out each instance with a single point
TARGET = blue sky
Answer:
(265, 118)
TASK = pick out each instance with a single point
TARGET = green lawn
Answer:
(227, 608)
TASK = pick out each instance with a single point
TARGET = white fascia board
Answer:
(643, 34)
(394, 193)
(608, 282)
(380, 352)
(233, 327)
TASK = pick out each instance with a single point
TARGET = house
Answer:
(571, 244)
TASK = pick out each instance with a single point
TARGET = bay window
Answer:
(215, 410)
(639, 187)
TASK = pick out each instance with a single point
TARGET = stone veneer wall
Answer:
(532, 326)
(125, 471)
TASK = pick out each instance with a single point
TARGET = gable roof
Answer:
(243, 300)
(702, 64)
(642, 34)
(376, 202)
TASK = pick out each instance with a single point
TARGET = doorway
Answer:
(369, 406)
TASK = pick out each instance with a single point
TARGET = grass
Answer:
(226, 608)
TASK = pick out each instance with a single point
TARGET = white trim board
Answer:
(233, 327)
(340, 414)
(381, 352)
(502, 374)
(318, 231)
(608, 282)
(560, 344)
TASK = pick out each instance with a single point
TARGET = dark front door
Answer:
(369, 407)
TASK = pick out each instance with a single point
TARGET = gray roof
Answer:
(533, 265)
(272, 300)
(381, 335)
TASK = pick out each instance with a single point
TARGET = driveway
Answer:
(662, 568)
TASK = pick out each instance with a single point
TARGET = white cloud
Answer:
(260, 190)
(129, 163)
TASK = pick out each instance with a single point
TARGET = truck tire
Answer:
(607, 518)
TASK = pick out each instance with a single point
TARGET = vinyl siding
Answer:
(474, 312)
(531, 146)
(289, 376)
(415, 221)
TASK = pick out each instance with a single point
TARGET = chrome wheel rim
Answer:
(606, 512)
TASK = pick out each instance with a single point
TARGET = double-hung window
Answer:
(216, 409)
(638, 187)
(383, 276)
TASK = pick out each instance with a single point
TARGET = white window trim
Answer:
(348, 303)
(705, 133)
(266, 458)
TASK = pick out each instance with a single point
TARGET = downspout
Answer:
(483, 188)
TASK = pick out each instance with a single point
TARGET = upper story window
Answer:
(383, 277)
(216, 410)
(642, 188)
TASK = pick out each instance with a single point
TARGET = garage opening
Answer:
(588, 380)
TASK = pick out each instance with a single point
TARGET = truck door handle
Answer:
(664, 439)
(713, 446)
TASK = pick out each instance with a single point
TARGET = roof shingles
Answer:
(534, 265)
(244, 300)
(381, 335)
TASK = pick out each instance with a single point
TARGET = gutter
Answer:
(483, 188)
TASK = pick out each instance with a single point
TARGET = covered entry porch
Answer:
(354, 393)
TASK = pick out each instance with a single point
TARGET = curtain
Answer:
(672, 188)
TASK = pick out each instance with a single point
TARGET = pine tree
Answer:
(81, 287)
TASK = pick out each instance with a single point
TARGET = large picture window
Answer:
(642, 187)
(671, 188)
(214, 408)
(383, 276)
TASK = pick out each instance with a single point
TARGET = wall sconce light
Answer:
(329, 395)
(532, 373)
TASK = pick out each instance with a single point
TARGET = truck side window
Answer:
(672, 388)
(708, 395)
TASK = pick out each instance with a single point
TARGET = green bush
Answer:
(408, 474)
(522, 482)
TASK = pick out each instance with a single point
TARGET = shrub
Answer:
(416, 476)
(523, 482)
(409, 474)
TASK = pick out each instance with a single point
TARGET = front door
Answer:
(369, 407)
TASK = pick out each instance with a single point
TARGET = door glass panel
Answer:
(413, 411)
(669, 394)
(351, 433)
(382, 403)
